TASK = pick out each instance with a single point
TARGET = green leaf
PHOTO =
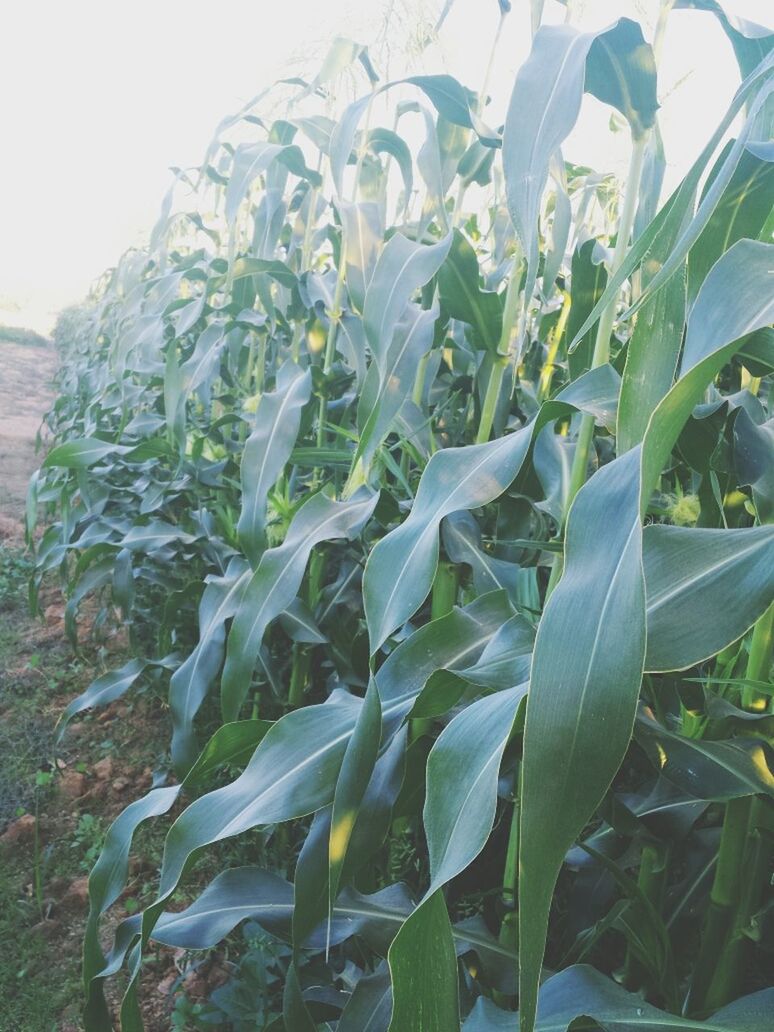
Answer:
(103, 690)
(266, 452)
(572, 750)
(400, 569)
(252, 160)
(356, 770)
(567, 762)
(192, 680)
(81, 453)
(462, 774)
(506, 657)
(106, 882)
(231, 744)
(248, 267)
(341, 54)
(455, 479)
(751, 42)
(363, 233)
(155, 534)
(717, 771)
(734, 300)
(423, 966)
(454, 641)
(233, 896)
(754, 459)
(582, 992)
(388, 382)
(384, 140)
(615, 64)
(653, 352)
(543, 109)
(675, 215)
(588, 277)
(462, 540)
(401, 269)
(621, 71)
(463, 298)
(690, 575)
(295, 1016)
(741, 211)
(370, 1005)
(276, 581)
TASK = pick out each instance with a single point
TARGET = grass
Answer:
(36, 986)
(40, 976)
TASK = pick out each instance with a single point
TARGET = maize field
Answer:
(432, 477)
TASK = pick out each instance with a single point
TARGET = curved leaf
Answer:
(423, 965)
(266, 451)
(401, 567)
(582, 992)
(276, 581)
(572, 750)
(462, 774)
(690, 575)
(715, 771)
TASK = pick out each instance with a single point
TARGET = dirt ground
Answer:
(58, 799)
(25, 395)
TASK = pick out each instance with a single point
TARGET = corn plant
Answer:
(446, 530)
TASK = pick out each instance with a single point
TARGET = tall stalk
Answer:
(732, 899)
(335, 314)
(601, 353)
(605, 326)
(501, 358)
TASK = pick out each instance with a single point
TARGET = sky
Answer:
(98, 98)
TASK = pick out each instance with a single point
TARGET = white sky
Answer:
(99, 97)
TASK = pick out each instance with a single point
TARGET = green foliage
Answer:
(15, 569)
(349, 462)
(21, 335)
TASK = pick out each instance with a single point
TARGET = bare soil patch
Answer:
(26, 393)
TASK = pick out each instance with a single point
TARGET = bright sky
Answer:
(99, 97)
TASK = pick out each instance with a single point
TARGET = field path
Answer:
(26, 393)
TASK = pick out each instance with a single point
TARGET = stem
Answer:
(605, 326)
(490, 400)
(442, 601)
(302, 654)
(602, 342)
(500, 361)
(509, 927)
(547, 372)
(490, 63)
(509, 930)
(445, 587)
(419, 382)
(306, 248)
(299, 675)
(335, 314)
(736, 887)
(650, 880)
(761, 648)
(480, 104)
(725, 897)
(537, 16)
(726, 983)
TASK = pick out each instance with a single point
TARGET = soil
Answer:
(25, 395)
(57, 799)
